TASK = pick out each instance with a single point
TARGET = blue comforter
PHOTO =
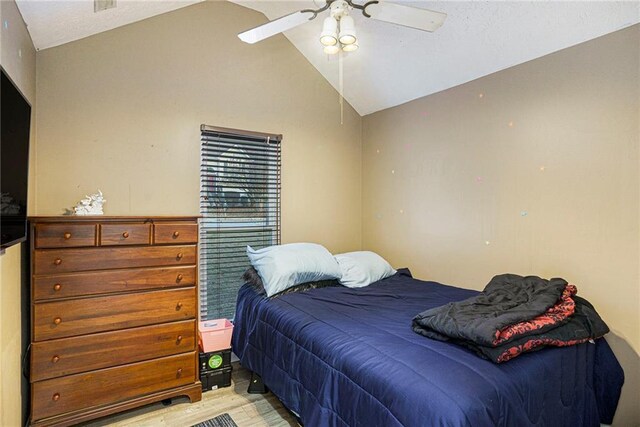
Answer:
(348, 357)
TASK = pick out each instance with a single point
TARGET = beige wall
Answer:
(121, 111)
(18, 58)
(17, 55)
(10, 340)
(531, 170)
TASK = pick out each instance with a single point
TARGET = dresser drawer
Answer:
(65, 235)
(58, 319)
(110, 281)
(67, 260)
(175, 232)
(56, 396)
(55, 358)
(125, 234)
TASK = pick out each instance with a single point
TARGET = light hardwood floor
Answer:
(245, 409)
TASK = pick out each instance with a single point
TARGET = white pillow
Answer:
(283, 266)
(363, 268)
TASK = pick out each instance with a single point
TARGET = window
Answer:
(240, 206)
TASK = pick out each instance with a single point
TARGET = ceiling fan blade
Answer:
(276, 26)
(412, 17)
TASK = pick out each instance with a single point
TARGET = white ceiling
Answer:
(55, 22)
(394, 64)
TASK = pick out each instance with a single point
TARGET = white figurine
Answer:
(90, 205)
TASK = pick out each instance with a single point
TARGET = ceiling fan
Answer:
(338, 32)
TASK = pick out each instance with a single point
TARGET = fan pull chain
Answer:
(341, 87)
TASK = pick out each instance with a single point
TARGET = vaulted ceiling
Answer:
(394, 64)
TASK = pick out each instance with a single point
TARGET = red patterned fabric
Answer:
(554, 315)
(512, 352)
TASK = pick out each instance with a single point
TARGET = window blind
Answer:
(240, 206)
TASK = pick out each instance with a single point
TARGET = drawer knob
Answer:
(179, 373)
(56, 397)
(176, 234)
(179, 277)
(179, 339)
(57, 261)
(179, 256)
(57, 321)
(125, 234)
(57, 287)
(55, 359)
(178, 306)
(67, 235)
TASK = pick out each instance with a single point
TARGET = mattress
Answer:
(348, 357)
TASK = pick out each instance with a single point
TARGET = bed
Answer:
(337, 356)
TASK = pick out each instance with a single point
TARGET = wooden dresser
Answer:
(113, 311)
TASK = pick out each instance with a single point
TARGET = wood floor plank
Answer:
(247, 410)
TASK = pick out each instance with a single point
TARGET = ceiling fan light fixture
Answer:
(332, 50)
(329, 34)
(328, 40)
(350, 47)
(406, 16)
(347, 30)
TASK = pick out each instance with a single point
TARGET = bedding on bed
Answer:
(513, 315)
(348, 357)
(252, 278)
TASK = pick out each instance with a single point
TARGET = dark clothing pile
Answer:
(514, 315)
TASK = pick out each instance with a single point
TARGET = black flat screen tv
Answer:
(14, 162)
